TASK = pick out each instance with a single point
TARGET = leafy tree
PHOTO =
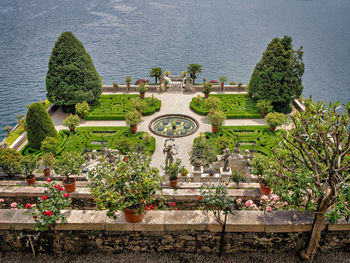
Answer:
(212, 103)
(156, 73)
(49, 145)
(39, 125)
(311, 167)
(72, 121)
(72, 77)
(82, 108)
(9, 161)
(194, 69)
(8, 129)
(278, 75)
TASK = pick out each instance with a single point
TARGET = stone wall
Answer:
(186, 231)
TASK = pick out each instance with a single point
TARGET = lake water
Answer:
(129, 37)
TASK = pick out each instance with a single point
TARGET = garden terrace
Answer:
(235, 106)
(95, 138)
(114, 107)
(254, 138)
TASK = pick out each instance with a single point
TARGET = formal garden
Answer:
(253, 182)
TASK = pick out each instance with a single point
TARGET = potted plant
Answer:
(47, 211)
(10, 161)
(203, 151)
(28, 164)
(67, 164)
(128, 79)
(237, 177)
(133, 118)
(275, 119)
(125, 186)
(211, 171)
(232, 83)
(183, 171)
(138, 104)
(206, 89)
(72, 121)
(216, 119)
(125, 146)
(259, 166)
(167, 73)
(47, 160)
(142, 89)
(82, 109)
(212, 103)
(264, 107)
(222, 79)
(115, 86)
(173, 172)
(184, 73)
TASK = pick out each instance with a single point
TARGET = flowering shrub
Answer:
(48, 209)
(214, 81)
(265, 204)
(139, 81)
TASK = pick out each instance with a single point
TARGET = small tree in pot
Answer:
(216, 119)
(264, 107)
(138, 104)
(9, 161)
(128, 79)
(133, 118)
(173, 172)
(275, 119)
(260, 166)
(69, 163)
(82, 109)
(222, 79)
(47, 160)
(72, 121)
(207, 88)
(125, 146)
(142, 89)
(212, 103)
(28, 164)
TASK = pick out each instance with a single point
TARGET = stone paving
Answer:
(172, 103)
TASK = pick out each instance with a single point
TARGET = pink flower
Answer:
(48, 180)
(13, 205)
(248, 203)
(175, 208)
(173, 204)
(275, 197)
(66, 195)
(44, 197)
(239, 201)
(2, 200)
(268, 209)
(254, 206)
(28, 206)
(264, 197)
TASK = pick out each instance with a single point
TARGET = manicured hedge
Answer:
(256, 138)
(114, 107)
(82, 138)
(235, 106)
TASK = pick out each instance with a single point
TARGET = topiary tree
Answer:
(278, 75)
(212, 103)
(9, 161)
(156, 73)
(72, 121)
(82, 108)
(39, 125)
(194, 69)
(312, 168)
(275, 119)
(72, 77)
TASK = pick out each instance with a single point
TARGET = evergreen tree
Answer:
(278, 75)
(72, 77)
(39, 125)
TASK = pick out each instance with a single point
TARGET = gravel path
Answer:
(251, 257)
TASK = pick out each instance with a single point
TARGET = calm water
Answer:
(129, 37)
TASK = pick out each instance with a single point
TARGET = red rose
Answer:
(60, 188)
(28, 205)
(44, 197)
(35, 217)
(151, 207)
(57, 186)
(48, 180)
(49, 213)
(66, 195)
(147, 208)
(200, 198)
(173, 204)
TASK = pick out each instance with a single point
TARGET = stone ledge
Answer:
(163, 221)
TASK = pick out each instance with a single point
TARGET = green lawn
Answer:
(235, 106)
(114, 107)
(256, 138)
(95, 138)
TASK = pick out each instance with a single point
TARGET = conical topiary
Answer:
(39, 125)
(72, 77)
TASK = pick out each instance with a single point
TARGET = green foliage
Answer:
(133, 118)
(48, 208)
(82, 108)
(142, 88)
(72, 77)
(260, 164)
(202, 150)
(128, 79)
(167, 73)
(9, 161)
(114, 107)
(275, 119)
(212, 103)
(235, 106)
(125, 145)
(156, 73)
(47, 160)
(8, 129)
(39, 125)
(232, 83)
(68, 163)
(173, 170)
(184, 73)
(216, 199)
(194, 69)
(125, 185)
(216, 118)
(222, 79)
(50, 145)
(15, 134)
(237, 177)
(278, 75)
(72, 121)
(264, 106)
(222, 143)
(183, 171)
(28, 164)
(138, 104)
(207, 88)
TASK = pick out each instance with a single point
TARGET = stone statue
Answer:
(162, 83)
(170, 149)
(226, 154)
(188, 84)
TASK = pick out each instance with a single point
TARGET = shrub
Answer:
(128, 79)
(173, 169)
(125, 146)
(222, 142)
(275, 119)
(212, 103)
(184, 73)
(39, 125)
(214, 81)
(167, 73)
(222, 79)
(138, 104)
(142, 88)
(49, 145)
(68, 163)
(216, 118)
(206, 88)
(72, 121)
(133, 118)
(9, 161)
(47, 160)
(115, 85)
(28, 164)
(232, 83)
(139, 81)
(264, 106)
(82, 109)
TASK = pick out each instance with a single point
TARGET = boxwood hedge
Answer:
(235, 106)
(114, 107)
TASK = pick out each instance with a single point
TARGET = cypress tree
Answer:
(71, 77)
(39, 125)
(278, 75)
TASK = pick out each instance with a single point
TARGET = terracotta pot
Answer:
(72, 130)
(133, 128)
(214, 129)
(126, 158)
(173, 183)
(128, 84)
(263, 114)
(183, 174)
(69, 187)
(25, 128)
(264, 189)
(272, 129)
(211, 174)
(47, 172)
(142, 95)
(206, 95)
(131, 217)
(222, 85)
(31, 179)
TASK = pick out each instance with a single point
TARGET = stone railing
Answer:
(185, 231)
